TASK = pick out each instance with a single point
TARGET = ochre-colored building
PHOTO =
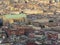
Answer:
(11, 18)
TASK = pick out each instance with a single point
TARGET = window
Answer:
(16, 21)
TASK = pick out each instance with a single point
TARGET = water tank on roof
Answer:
(51, 21)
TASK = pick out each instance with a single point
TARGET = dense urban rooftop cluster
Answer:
(29, 6)
(29, 22)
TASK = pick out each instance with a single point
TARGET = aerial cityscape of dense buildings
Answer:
(29, 22)
(28, 6)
